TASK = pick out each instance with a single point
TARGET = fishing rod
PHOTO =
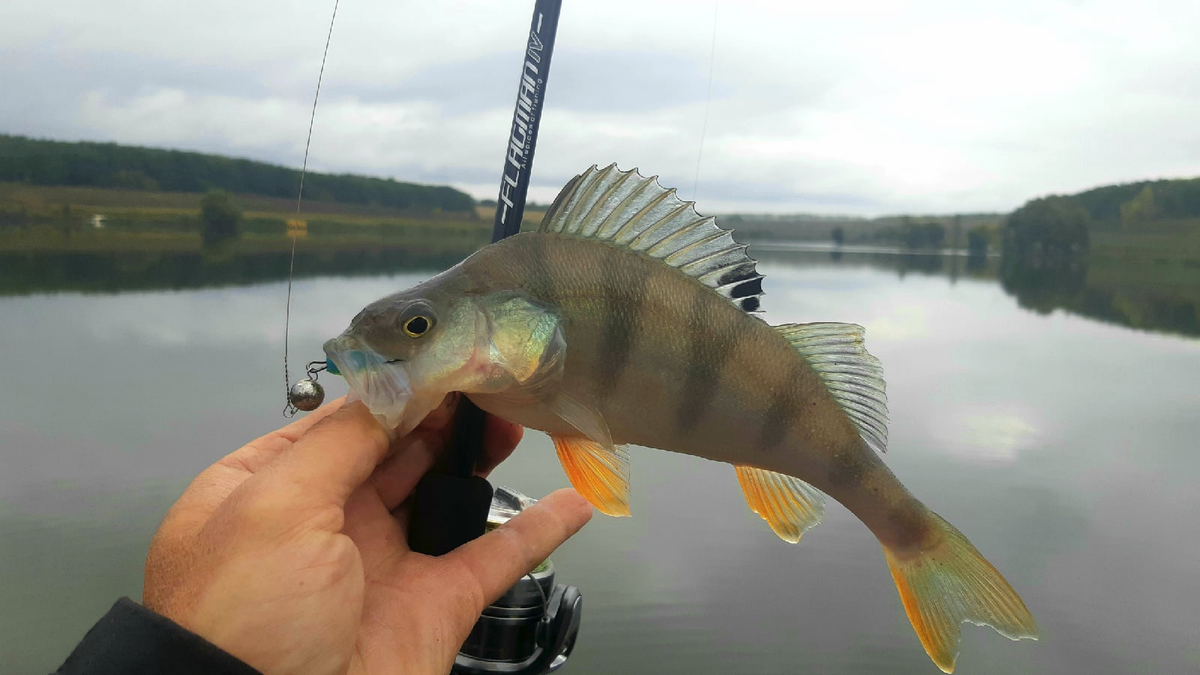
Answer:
(532, 628)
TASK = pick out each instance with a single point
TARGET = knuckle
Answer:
(254, 509)
(541, 530)
(516, 537)
(471, 596)
(280, 507)
(256, 505)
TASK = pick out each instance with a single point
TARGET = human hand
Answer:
(291, 553)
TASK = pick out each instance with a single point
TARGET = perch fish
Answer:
(628, 318)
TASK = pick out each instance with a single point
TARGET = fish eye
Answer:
(415, 320)
(417, 326)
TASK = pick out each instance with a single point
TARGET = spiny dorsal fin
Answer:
(854, 377)
(629, 210)
(789, 505)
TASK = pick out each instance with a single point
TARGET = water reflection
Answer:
(1118, 292)
(1157, 295)
(23, 273)
(951, 264)
(1063, 447)
(1044, 287)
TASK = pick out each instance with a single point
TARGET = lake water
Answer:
(1065, 447)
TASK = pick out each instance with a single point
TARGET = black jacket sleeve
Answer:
(132, 639)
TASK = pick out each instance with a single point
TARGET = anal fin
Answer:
(599, 473)
(789, 505)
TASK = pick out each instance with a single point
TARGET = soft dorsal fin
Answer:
(854, 377)
(629, 210)
(789, 505)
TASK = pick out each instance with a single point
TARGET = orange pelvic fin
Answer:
(949, 583)
(599, 473)
(789, 505)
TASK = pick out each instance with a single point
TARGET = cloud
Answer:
(864, 107)
(987, 436)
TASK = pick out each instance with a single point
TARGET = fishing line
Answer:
(712, 53)
(290, 409)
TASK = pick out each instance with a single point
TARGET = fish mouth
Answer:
(382, 384)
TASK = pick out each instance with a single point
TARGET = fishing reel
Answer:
(532, 628)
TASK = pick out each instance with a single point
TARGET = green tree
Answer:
(1047, 231)
(220, 218)
(109, 165)
(1141, 208)
(839, 236)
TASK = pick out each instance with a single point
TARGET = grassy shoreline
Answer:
(60, 219)
(37, 219)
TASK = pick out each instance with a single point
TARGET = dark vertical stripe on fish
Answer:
(624, 292)
(783, 409)
(710, 347)
(540, 281)
(846, 467)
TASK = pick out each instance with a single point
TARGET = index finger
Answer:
(335, 456)
(499, 558)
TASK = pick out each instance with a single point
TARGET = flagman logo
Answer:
(520, 141)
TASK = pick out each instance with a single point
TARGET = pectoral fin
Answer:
(789, 505)
(597, 467)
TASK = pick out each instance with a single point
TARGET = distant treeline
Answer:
(912, 232)
(1056, 226)
(1144, 200)
(120, 166)
(1054, 230)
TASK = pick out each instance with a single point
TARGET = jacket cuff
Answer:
(133, 639)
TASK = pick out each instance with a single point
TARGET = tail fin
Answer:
(948, 584)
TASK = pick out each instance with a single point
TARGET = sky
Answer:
(854, 107)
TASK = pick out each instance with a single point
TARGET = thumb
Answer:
(501, 557)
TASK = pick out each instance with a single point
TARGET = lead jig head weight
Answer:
(306, 395)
